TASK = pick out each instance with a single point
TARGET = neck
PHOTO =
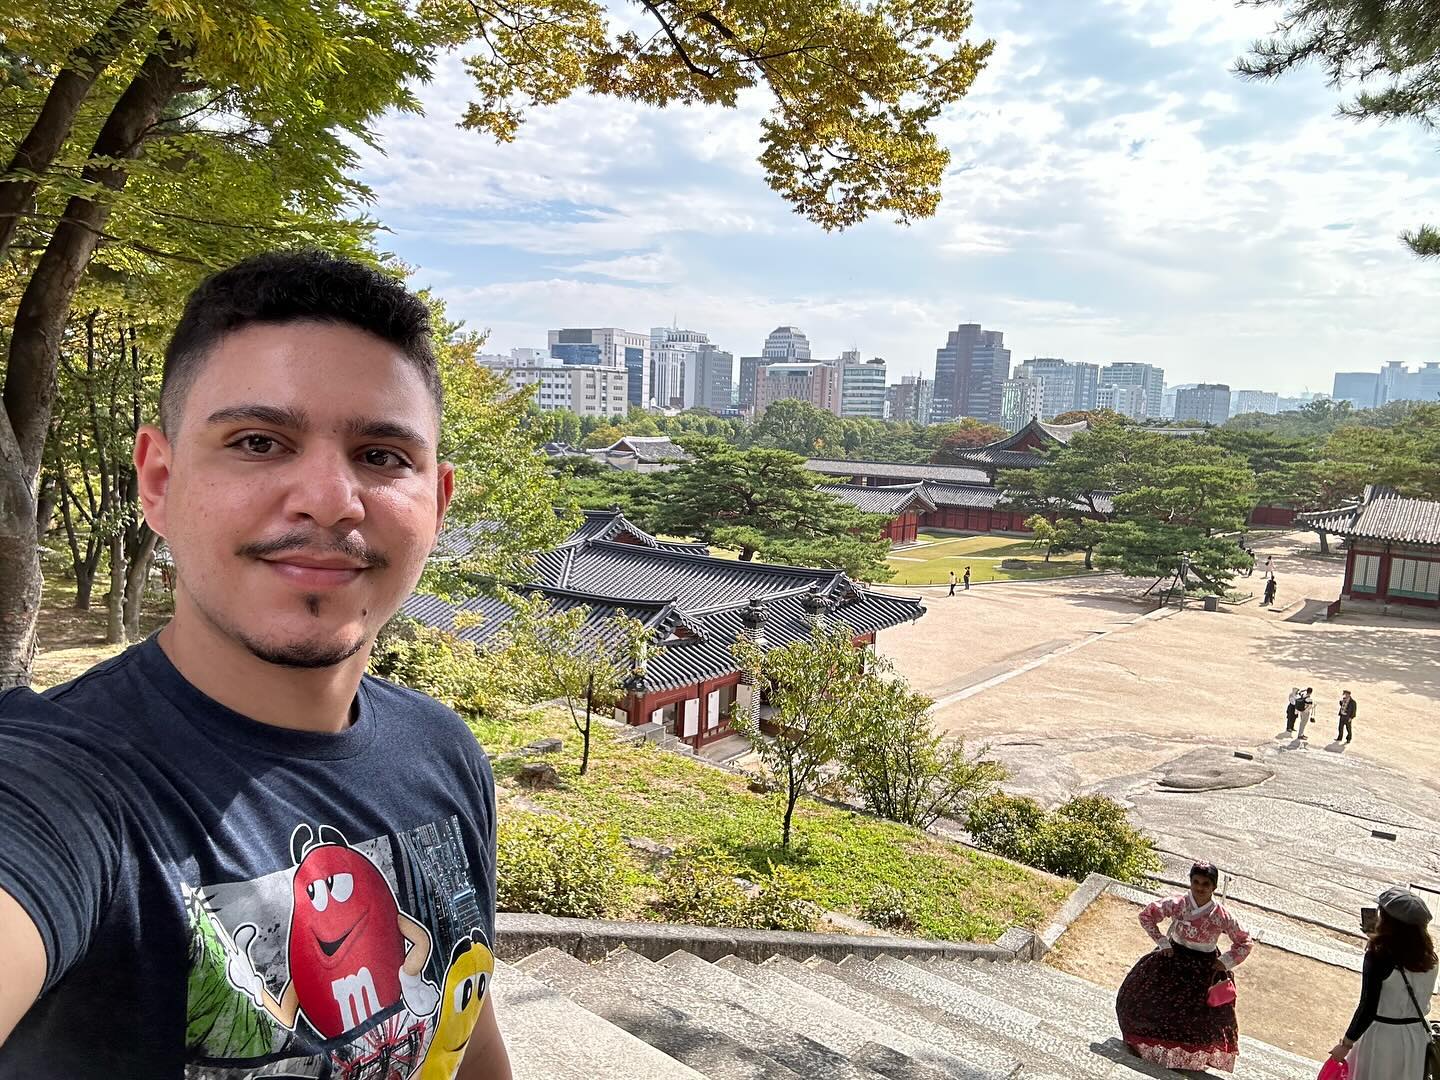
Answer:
(301, 699)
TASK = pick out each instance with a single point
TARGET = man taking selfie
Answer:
(227, 851)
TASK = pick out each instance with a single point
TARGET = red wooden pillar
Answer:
(1382, 581)
(1345, 590)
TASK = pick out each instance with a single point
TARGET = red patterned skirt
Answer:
(1164, 1015)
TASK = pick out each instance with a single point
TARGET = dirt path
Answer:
(1286, 1000)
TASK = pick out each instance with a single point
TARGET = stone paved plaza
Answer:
(1079, 685)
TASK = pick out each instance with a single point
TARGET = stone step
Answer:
(549, 1037)
(679, 1032)
(1085, 1008)
(729, 1017)
(909, 1017)
(907, 1047)
(789, 1012)
(1044, 1043)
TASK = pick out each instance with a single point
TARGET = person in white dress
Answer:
(1389, 1036)
(1306, 705)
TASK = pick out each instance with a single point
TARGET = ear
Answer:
(444, 492)
(300, 839)
(153, 455)
(331, 835)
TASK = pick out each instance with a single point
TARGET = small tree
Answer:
(902, 769)
(817, 689)
(573, 659)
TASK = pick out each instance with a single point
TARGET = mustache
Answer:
(307, 541)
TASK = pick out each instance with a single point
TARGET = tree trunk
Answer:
(137, 577)
(34, 350)
(115, 598)
(1324, 541)
(1089, 558)
(791, 798)
(585, 733)
(37, 151)
(45, 508)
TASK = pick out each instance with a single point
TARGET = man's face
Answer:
(300, 494)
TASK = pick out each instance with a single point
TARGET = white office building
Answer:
(1148, 377)
(586, 389)
(1021, 400)
(608, 347)
(862, 386)
(1131, 401)
(674, 362)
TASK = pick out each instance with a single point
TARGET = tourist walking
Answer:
(1163, 1005)
(1269, 592)
(952, 582)
(1389, 1036)
(1347, 717)
(967, 579)
(1270, 567)
(1305, 711)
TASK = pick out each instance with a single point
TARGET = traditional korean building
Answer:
(695, 607)
(902, 504)
(1392, 561)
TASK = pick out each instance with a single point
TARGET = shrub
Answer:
(890, 908)
(1088, 834)
(905, 772)
(786, 901)
(558, 867)
(701, 886)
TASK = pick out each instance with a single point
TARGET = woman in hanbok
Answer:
(1389, 1036)
(1163, 1004)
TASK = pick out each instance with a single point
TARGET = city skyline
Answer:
(1115, 195)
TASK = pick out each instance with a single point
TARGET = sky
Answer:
(1114, 193)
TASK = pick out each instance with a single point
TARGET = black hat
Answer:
(1404, 906)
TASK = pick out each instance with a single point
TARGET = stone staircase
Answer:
(859, 1019)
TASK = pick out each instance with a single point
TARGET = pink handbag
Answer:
(1222, 993)
(1334, 1070)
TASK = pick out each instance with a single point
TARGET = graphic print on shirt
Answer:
(350, 965)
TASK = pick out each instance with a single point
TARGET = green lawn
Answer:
(954, 893)
(930, 562)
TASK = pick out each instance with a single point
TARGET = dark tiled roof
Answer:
(889, 499)
(459, 541)
(971, 496)
(696, 582)
(1382, 516)
(996, 458)
(612, 524)
(898, 471)
(649, 449)
(659, 616)
(691, 660)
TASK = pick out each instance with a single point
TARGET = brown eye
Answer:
(257, 444)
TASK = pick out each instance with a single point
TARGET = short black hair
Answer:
(1206, 870)
(289, 286)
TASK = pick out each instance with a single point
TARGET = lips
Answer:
(309, 576)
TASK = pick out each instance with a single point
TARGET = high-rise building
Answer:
(1021, 400)
(1208, 403)
(714, 370)
(1131, 401)
(608, 346)
(1148, 377)
(1399, 383)
(1254, 401)
(672, 366)
(970, 371)
(786, 343)
(586, 389)
(862, 386)
(783, 343)
(781, 380)
(1067, 385)
(909, 399)
(1360, 388)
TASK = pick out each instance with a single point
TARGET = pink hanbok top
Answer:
(1197, 927)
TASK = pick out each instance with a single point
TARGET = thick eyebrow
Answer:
(293, 419)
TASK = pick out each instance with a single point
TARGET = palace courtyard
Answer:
(1082, 685)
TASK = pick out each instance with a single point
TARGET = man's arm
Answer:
(486, 1057)
(22, 964)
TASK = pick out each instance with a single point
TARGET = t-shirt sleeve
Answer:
(59, 833)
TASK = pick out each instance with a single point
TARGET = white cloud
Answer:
(1104, 202)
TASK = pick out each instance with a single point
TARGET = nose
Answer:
(325, 488)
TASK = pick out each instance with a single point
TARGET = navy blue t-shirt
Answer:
(221, 898)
